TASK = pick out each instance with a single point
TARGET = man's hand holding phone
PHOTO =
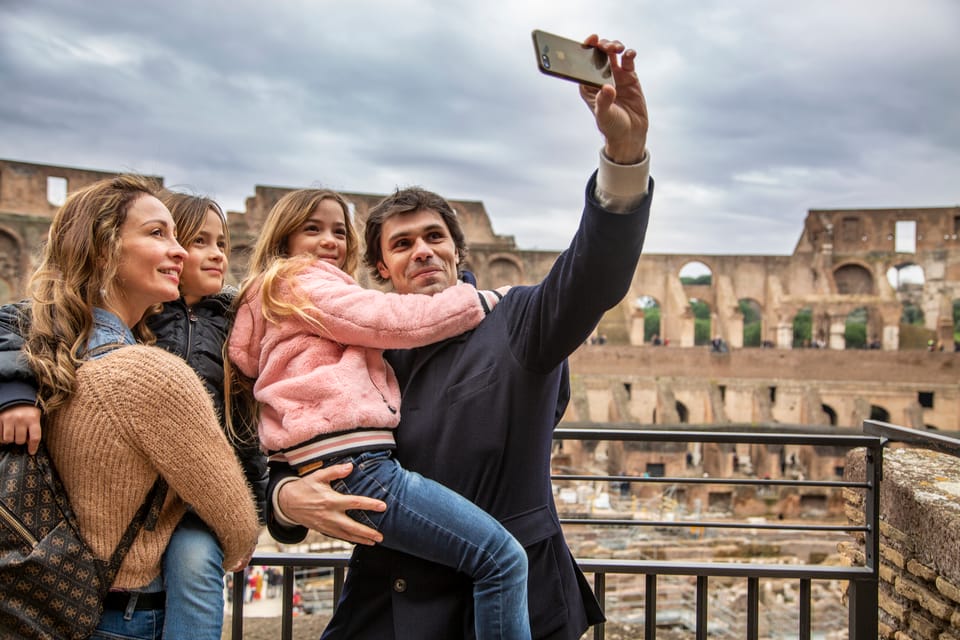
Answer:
(620, 110)
(605, 70)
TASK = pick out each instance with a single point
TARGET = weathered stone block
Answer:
(921, 570)
(894, 607)
(892, 556)
(922, 627)
(948, 588)
(888, 573)
(892, 533)
(908, 588)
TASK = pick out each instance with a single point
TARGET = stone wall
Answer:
(919, 594)
(839, 264)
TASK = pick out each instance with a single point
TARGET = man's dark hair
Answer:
(402, 201)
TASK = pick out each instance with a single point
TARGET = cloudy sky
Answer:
(760, 109)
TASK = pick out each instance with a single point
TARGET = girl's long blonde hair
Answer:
(77, 272)
(271, 265)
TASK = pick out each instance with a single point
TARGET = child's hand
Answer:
(21, 424)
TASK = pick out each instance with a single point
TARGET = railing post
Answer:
(286, 616)
(650, 615)
(236, 620)
(702, 602)
(806, 630)
(753, 608)
(600, 590)
(863, 593)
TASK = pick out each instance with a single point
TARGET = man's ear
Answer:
(382, 270)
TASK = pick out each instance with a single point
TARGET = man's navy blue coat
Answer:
(478, 413)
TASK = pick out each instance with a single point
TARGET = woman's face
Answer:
(151, 261)
(323, 235)
(206, 262)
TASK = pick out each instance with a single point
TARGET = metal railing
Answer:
(862, 593)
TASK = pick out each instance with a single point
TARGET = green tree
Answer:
(956, 319)
(701, 331)
(855, 331)
(912, 314)
(651, 323)
(751, 323)
(701, 310)
(802, 327)
(751, 335)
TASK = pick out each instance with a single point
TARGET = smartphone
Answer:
(571, 60)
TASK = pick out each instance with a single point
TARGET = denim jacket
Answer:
(107, 329)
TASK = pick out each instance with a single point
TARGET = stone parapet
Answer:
(919, 568)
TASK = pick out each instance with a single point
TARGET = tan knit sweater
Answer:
(137, 412)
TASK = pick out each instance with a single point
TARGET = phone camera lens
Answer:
(545, 59)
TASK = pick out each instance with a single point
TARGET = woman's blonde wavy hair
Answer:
(271, 266)
(77, 272)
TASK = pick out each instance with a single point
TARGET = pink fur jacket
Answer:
(311, 382)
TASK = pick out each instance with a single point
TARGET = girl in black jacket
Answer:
(195, 328)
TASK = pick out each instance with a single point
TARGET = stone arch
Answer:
(853, 278)
(752, 322)
(830, 413)
(906, 277)
(503, 269)
(696, 272)
(879, 413)
(683, 413)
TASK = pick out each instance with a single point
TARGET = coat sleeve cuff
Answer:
(16, 393)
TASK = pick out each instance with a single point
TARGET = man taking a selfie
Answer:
(478, 410)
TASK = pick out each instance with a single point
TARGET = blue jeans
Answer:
(193, 579)
(144, 624)
(429, 521)
(141, 625)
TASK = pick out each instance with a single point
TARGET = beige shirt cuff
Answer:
(621, 187)
(278, 514)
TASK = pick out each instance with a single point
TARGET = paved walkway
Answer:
(263, 608)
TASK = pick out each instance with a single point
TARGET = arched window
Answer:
(853, 279)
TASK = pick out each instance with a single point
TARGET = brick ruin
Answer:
(845, 261)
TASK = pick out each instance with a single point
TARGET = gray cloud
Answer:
(758, 111)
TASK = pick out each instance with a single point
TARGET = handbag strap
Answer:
(145, 518)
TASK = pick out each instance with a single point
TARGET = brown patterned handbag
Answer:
(52, 585)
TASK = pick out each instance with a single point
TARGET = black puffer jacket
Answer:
(197, 335)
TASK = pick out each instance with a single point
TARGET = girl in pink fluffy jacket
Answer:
(313, 341)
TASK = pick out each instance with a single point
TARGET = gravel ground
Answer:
(310, 628)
